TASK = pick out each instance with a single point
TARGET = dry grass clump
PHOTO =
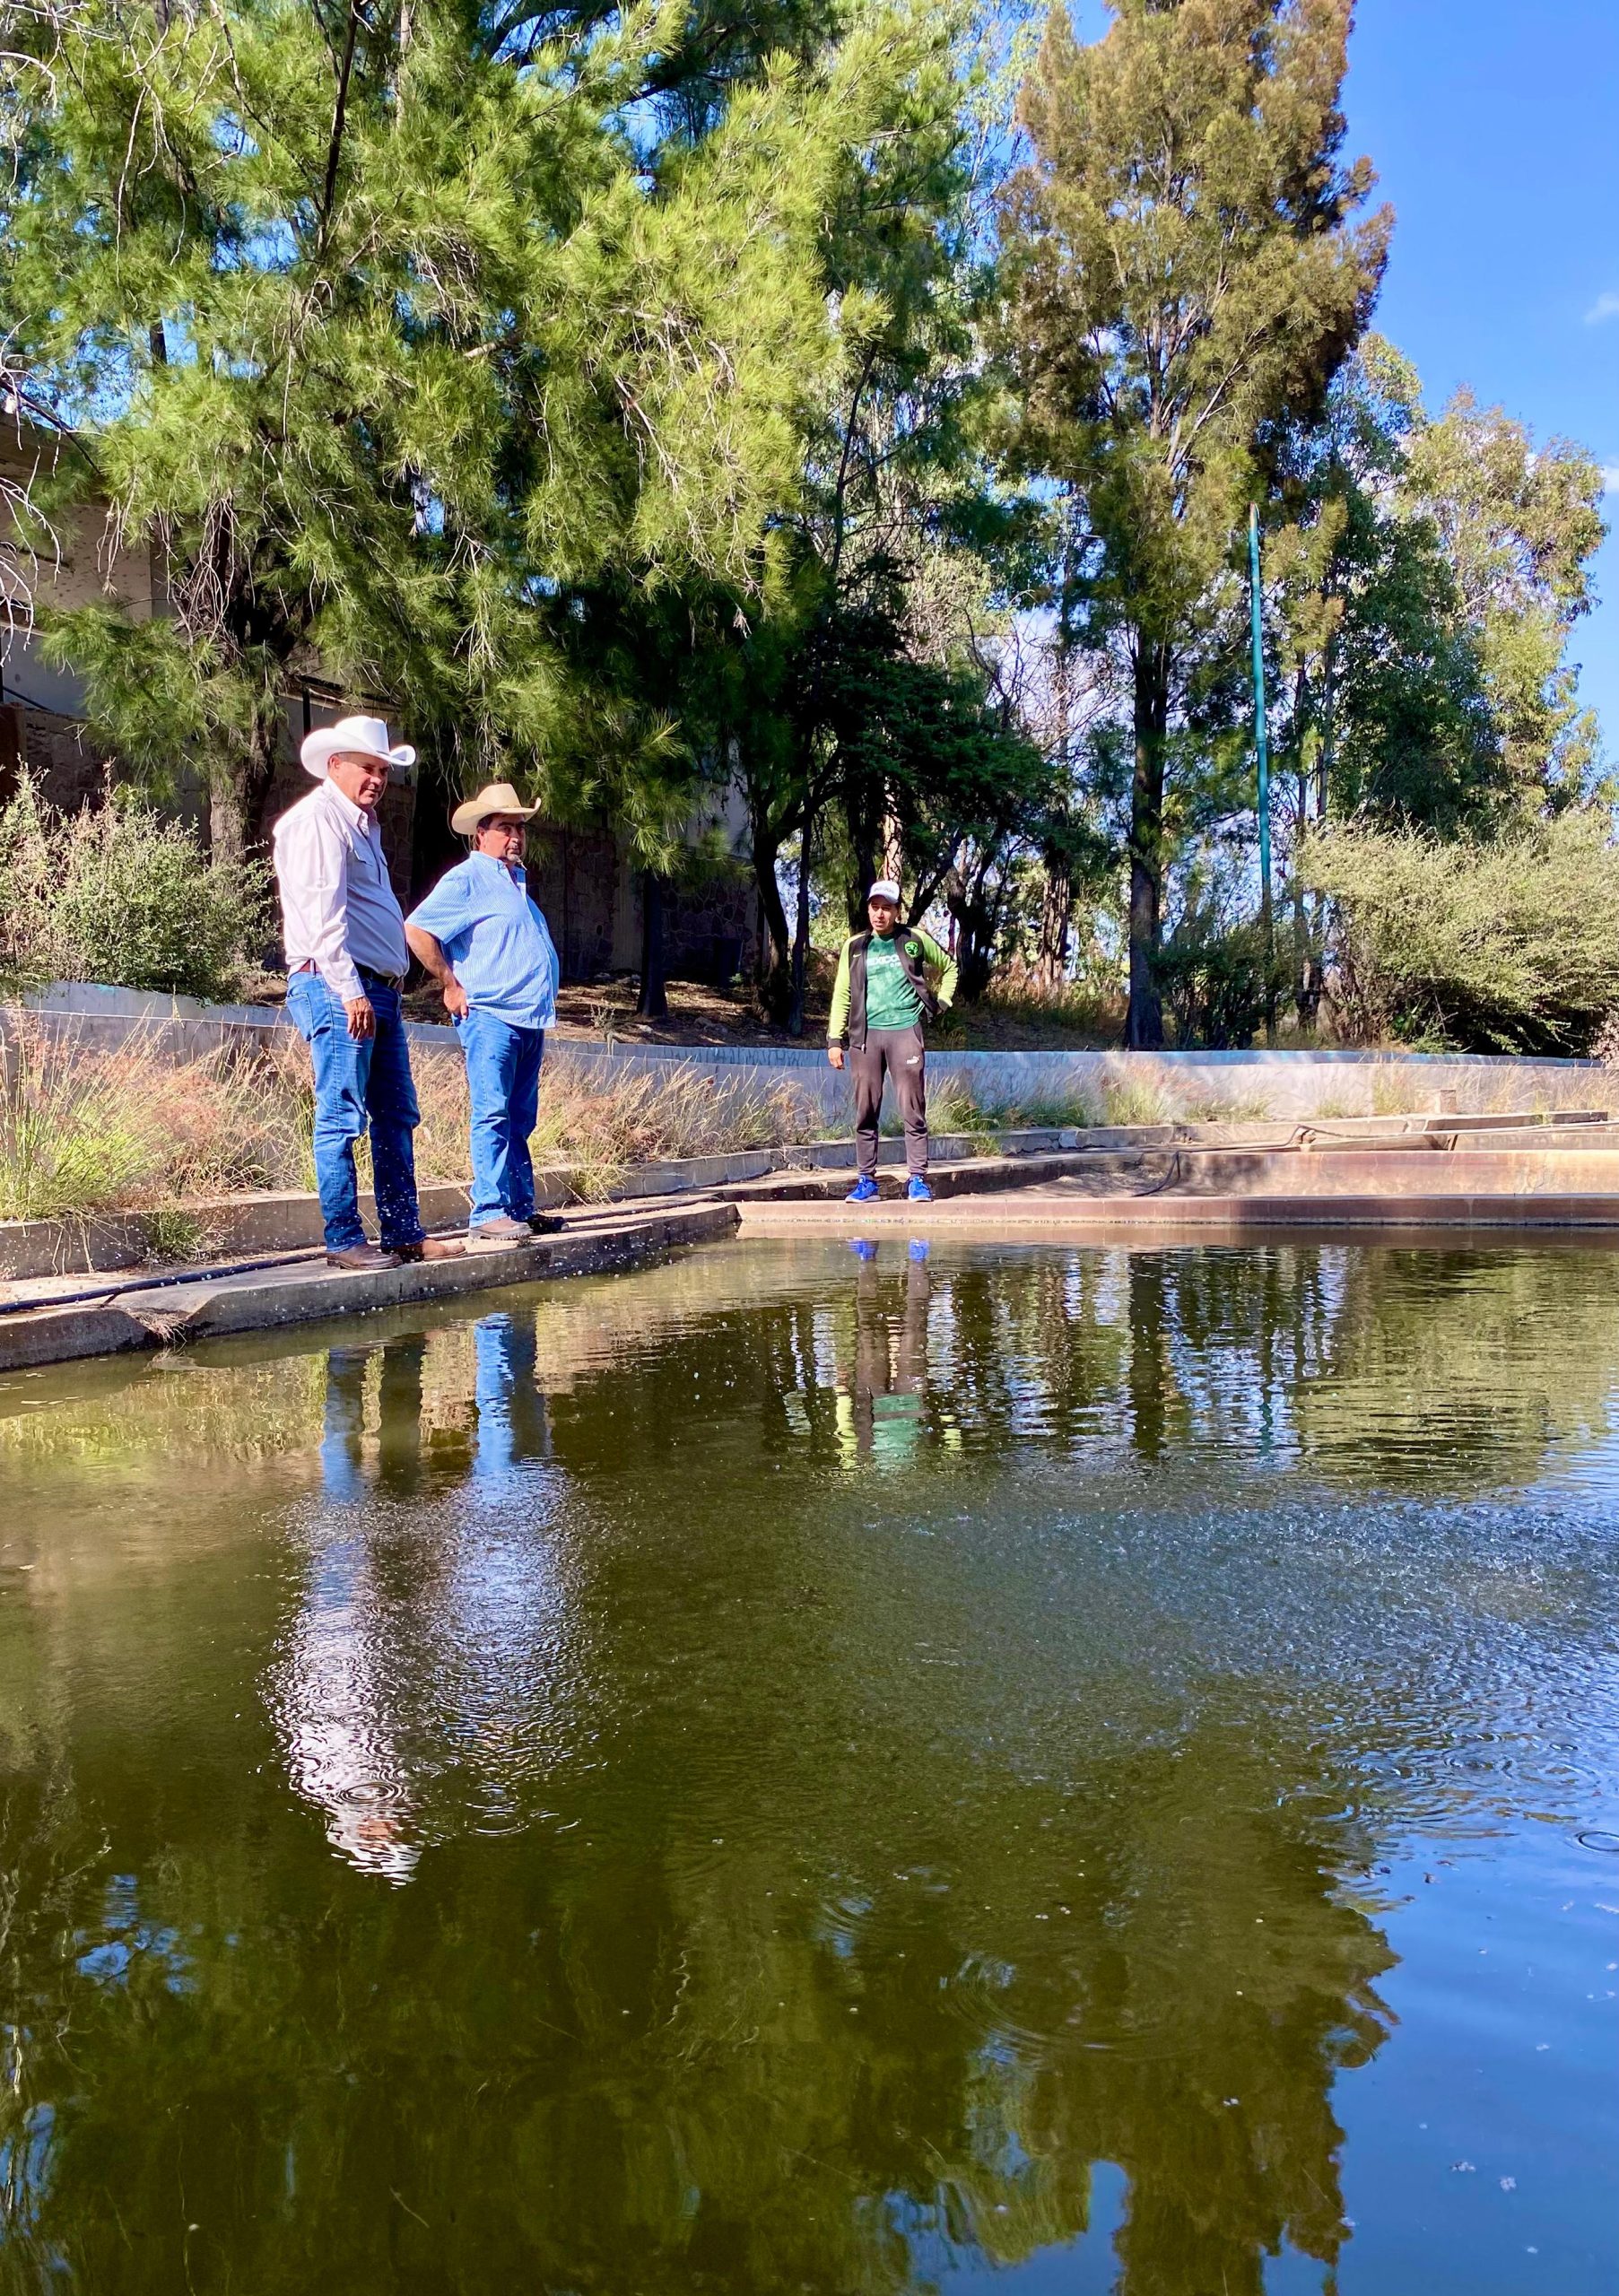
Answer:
(1021, 1010)
(599, 1126)
(85, 1130)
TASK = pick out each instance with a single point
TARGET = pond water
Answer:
(1059, 1768)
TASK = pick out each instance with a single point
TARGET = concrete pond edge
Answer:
(150, 1315)
(289, 1219)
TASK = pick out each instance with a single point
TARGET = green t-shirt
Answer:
(891, 1001)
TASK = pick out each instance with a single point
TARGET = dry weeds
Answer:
(84, 1130)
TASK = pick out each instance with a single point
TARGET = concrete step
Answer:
(1162, 1218)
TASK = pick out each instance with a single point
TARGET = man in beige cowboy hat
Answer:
(484, 941)
(347, 962)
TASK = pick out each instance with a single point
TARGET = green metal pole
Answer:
(1261, 735)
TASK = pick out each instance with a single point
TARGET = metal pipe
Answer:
(1261, 730)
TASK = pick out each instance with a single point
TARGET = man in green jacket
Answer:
(879, 1001)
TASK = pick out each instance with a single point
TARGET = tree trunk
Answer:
(1056, 922)
(795, 1017)
(654, 1002)
(1306, 987)
(1144, 1030)
(237, 794)
(227, 819)
(775, 944)
(1307, 994)
(864, 814)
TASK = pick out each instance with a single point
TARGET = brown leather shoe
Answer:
(429, 1247)
(364, 1256)
(498, 1235)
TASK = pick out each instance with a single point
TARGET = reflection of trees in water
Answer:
(809, 2066)
(1473, 1365)
(1386, 1367)
(943, 1957)
(1375, 1362)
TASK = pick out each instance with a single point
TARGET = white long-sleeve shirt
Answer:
(338, 907)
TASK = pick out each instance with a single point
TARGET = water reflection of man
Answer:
(880, 1398)
(334, 1697)
(397, 1654)
(512, 1421)
(399, 1416)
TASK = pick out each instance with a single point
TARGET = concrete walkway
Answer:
(1069, 1208)
(147, 1310)
(1527, 1181)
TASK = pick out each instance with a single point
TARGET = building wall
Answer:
(592, 893)
(83, 569)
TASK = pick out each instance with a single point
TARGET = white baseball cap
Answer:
(884, 888)
(364, 736)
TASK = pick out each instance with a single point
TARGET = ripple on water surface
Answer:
(789, 1771)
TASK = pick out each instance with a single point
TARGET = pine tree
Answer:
(1185, 277)
(389, 326)
(1427, 583)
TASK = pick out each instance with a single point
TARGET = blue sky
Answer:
(1494, 125)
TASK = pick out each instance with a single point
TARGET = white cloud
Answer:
(1610, 478)
(1605, 307)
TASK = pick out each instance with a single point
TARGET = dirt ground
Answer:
(589, 1011)
(592, 1011)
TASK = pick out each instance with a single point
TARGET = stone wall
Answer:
(592, 895)
(578, 877)
(709, 924)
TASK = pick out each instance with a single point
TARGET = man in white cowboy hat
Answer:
(481, 936)
(346, 960)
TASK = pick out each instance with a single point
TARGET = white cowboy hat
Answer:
(357, 737)
(494, 797)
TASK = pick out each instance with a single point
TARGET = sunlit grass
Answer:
(85, 1131)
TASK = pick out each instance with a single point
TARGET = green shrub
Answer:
(1219, 983)
(1511, 945)
(115, 893)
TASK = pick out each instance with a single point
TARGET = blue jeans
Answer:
(359, 1082)
(503, 1084)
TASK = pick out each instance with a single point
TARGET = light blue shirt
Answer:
(496, 939)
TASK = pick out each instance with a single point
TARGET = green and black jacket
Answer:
(846, 1024)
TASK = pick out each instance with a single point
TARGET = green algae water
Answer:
(1042, 1768)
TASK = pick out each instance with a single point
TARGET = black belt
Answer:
(385, 979)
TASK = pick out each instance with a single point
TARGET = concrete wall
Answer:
(86, 567)
(1114, 1086)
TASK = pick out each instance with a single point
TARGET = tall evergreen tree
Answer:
(390, 326)
(1185, 277)
(1428, 582)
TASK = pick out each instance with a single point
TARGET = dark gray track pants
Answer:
(896, 1053)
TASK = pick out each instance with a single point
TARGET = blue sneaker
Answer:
(919, 1191)
(864, 1191)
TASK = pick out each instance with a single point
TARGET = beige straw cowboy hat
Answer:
(355, 737)
(494, 797)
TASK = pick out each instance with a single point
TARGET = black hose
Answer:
(158, 1283)
(193, 1275)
